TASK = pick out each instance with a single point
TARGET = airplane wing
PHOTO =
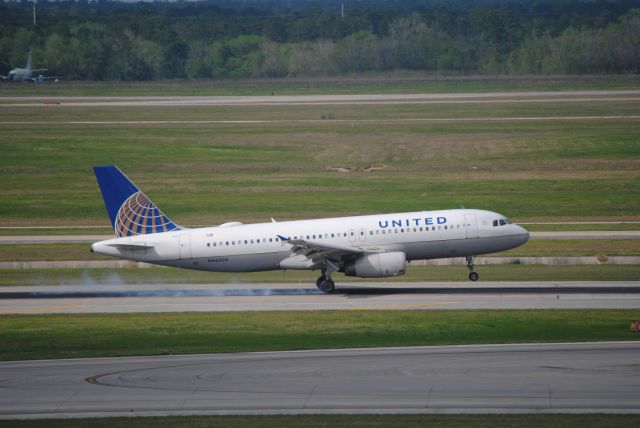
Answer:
(40, 79)
(314, 253)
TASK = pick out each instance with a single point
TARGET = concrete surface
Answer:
(88, 297)
(585, 377)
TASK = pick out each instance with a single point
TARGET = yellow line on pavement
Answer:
(41, 309)
(405, 306)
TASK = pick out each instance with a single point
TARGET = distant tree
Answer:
(312, 58)
(239, 56)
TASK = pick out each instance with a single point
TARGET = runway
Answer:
(547, 378)
(116, 298)
(317, 99)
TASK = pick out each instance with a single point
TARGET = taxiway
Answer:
(584, 377)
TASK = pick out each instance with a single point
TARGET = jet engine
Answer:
(377, 265)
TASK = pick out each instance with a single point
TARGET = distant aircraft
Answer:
(371, 246)
(23, 74)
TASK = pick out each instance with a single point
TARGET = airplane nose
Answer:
(523, 234)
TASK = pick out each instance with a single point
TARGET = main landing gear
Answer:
(326, 284)
(473, 276)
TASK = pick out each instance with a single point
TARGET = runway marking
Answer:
(408, 305)
(41, 309)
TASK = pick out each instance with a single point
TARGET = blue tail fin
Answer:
(130, 211)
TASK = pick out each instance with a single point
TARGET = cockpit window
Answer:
(495, 223)
(502, 222)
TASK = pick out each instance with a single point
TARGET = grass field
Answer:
(211, 173)
(92, 335)
(510, 272)
(351, 421)
(394, 82)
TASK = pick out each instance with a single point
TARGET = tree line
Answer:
(106, 40)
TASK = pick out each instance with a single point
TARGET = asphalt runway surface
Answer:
(123, 298)
(267, 100)
(548, 378)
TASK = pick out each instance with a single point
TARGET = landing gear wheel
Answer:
(328, 286)
(325, 284)
(473, 276)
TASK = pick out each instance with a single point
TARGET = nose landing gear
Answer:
(473, 276)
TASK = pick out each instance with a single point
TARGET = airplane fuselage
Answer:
(260, 247)
(20, 74)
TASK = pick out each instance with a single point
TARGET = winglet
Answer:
(283, 238)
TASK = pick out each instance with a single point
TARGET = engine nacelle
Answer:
(377, 265)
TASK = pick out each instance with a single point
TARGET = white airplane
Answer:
(22, 74)
(371, 246)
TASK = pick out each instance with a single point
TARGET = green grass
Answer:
(50, 182)
(212, 173)
(510, 272)
(540, 227)
(92, 335)
(351, 421)
(398, 82)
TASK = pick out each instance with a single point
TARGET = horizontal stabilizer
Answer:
(133, 246)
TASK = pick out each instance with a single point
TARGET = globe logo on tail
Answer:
(139, 216)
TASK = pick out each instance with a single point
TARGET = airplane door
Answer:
(352, 235)
(185, 245)
(471, 225)
(362, 235)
